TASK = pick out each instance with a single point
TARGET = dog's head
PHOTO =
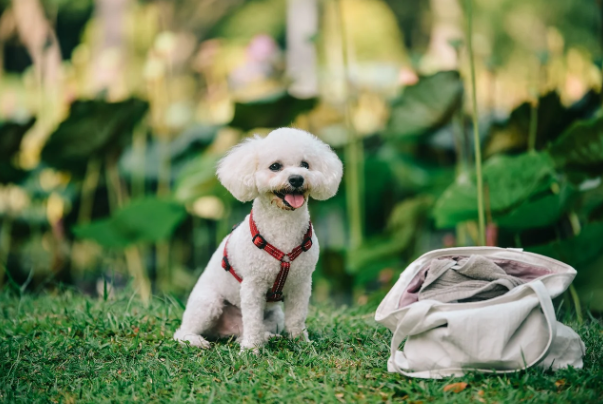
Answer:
(287, 166)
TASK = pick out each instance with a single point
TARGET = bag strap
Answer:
(546, 304)
(413, 323)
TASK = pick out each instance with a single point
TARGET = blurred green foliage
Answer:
(93, 129)
(142, 221)
(112, 169)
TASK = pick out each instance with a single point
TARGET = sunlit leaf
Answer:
(93, 128)
(254, 18)
(198, 178)
(425, 106)
(146, 220)
(509, 181)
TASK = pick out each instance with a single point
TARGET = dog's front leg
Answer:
(296, 310)
(253, 303)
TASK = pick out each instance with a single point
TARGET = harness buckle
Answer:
(225, 264)
(259, 241)
(274, 296)
(307, 244)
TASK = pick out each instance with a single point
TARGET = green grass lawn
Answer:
(70, 348)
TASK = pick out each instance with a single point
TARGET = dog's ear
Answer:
(329, 171)
(237, 170)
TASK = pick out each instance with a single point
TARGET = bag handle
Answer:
(413, 323)
(546, 304)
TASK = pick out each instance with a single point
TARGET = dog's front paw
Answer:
(302, 334)
(248, 345)
(192, 339)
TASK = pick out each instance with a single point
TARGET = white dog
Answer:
(271, 255)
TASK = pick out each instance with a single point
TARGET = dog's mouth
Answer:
(291, 199)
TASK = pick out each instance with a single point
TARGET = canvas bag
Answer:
(504, 334)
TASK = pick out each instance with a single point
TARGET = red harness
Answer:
(276, 293)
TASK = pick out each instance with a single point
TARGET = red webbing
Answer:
(276, 293)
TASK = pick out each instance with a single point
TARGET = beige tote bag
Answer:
(514, 331)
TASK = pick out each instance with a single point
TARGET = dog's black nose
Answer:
(296, 181)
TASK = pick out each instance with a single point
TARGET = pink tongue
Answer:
(294, 200)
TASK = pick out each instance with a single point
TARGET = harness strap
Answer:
(276, 293)
(226, 265)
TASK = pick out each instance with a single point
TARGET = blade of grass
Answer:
(476, 139)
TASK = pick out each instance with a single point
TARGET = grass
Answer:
(66, 348)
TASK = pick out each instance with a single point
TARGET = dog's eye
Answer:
(305, 165)
(275, 167)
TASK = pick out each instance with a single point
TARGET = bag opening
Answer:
(522, 270)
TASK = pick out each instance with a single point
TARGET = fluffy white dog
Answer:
(238, 292)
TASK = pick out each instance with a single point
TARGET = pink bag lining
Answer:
(521, 270)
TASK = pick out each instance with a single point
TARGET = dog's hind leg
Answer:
(274, 321)
(202, 312)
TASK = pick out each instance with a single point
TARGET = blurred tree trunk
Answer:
(7, 29)
(302, 27)
(40, 40)
(37, 35)
(447, 20)
(109, 52)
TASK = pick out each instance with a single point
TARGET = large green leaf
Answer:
(253, 18)
(589, 284)
(590, 204)
(198, 178)
(415, 175)
(401, 230)
(552, 119)
(540, 211)
(425, 106)
(11, 134)
(184, 148)
(146, 220)
(578, 251)
(275, 111)
(93, 128)
(581, 146)
(510, 180)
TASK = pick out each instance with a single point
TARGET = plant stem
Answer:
(162, 248)
(353, 150)
(139, 146)
(476, 139)
(5, 239)
(577, 305)
(134, 262)
(136, 269)
(534, 109)
(88, 189)
(533, 126)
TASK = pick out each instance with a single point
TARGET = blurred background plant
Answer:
(113, 114)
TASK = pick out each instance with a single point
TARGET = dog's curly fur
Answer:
(218, 304)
